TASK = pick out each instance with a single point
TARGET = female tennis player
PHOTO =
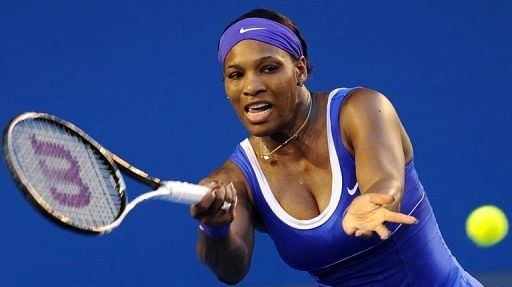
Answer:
(328, 175)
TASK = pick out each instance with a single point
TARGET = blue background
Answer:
(142, 79)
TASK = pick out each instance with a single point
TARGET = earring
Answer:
(300, 83)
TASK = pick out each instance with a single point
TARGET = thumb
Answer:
(382, 199)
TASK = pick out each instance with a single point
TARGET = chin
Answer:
(259, 130)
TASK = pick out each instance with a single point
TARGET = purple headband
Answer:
(262, 30)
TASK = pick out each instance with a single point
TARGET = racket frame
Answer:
(32, 195)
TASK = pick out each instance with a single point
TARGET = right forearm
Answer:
(229, 254)
(228, 257)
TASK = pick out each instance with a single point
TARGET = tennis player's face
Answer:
(261, 82)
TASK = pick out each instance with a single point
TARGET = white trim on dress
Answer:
(336, 186)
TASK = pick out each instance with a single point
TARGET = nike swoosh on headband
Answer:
(243, 30)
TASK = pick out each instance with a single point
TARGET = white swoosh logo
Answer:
(243, 30)
(353, 189)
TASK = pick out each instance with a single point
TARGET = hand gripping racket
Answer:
(75, 181)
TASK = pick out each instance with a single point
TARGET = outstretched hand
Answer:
(367, 214)
(209, 210)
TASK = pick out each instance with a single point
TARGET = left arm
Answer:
(372, 131)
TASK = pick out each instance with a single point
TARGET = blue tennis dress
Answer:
(415, 255)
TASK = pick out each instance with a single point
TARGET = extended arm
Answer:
(373, 133)
(228, 255)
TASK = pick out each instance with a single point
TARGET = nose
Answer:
(253, 85)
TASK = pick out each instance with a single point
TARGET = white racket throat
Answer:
(175, 191)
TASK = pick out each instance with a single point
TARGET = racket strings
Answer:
(69, 178)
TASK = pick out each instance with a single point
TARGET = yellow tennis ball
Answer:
(487, 225)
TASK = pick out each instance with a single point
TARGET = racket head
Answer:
(63, 172)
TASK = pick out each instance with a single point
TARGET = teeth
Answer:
(258, 106)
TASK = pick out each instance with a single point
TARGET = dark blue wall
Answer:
(142, 78)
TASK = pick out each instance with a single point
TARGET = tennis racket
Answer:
(75, 181)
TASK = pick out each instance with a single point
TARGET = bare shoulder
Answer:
(365, 99)
(368, 112)
(364, 105)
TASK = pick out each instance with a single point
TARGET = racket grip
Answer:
(184, 192)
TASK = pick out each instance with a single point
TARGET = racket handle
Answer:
(183, 192)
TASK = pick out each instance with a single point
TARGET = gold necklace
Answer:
(266, 156)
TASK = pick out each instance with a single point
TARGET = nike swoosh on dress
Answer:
(352, 190)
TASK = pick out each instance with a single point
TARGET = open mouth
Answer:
(257, 108)
(258, 112)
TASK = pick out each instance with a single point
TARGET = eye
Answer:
(235, 75)
(270, 69)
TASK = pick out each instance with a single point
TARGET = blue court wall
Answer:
(142, 78)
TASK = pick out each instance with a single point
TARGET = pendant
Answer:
(265, 156)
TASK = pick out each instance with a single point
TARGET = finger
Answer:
(220, 197)
(209, 182)
(349, 229)
(232, 187)
(363, 233)
(203, 205)
(397, 217)
(233, 206)
(228, 198)
(381, 199)
(233, 197)
(382, 231)
(212, 184)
